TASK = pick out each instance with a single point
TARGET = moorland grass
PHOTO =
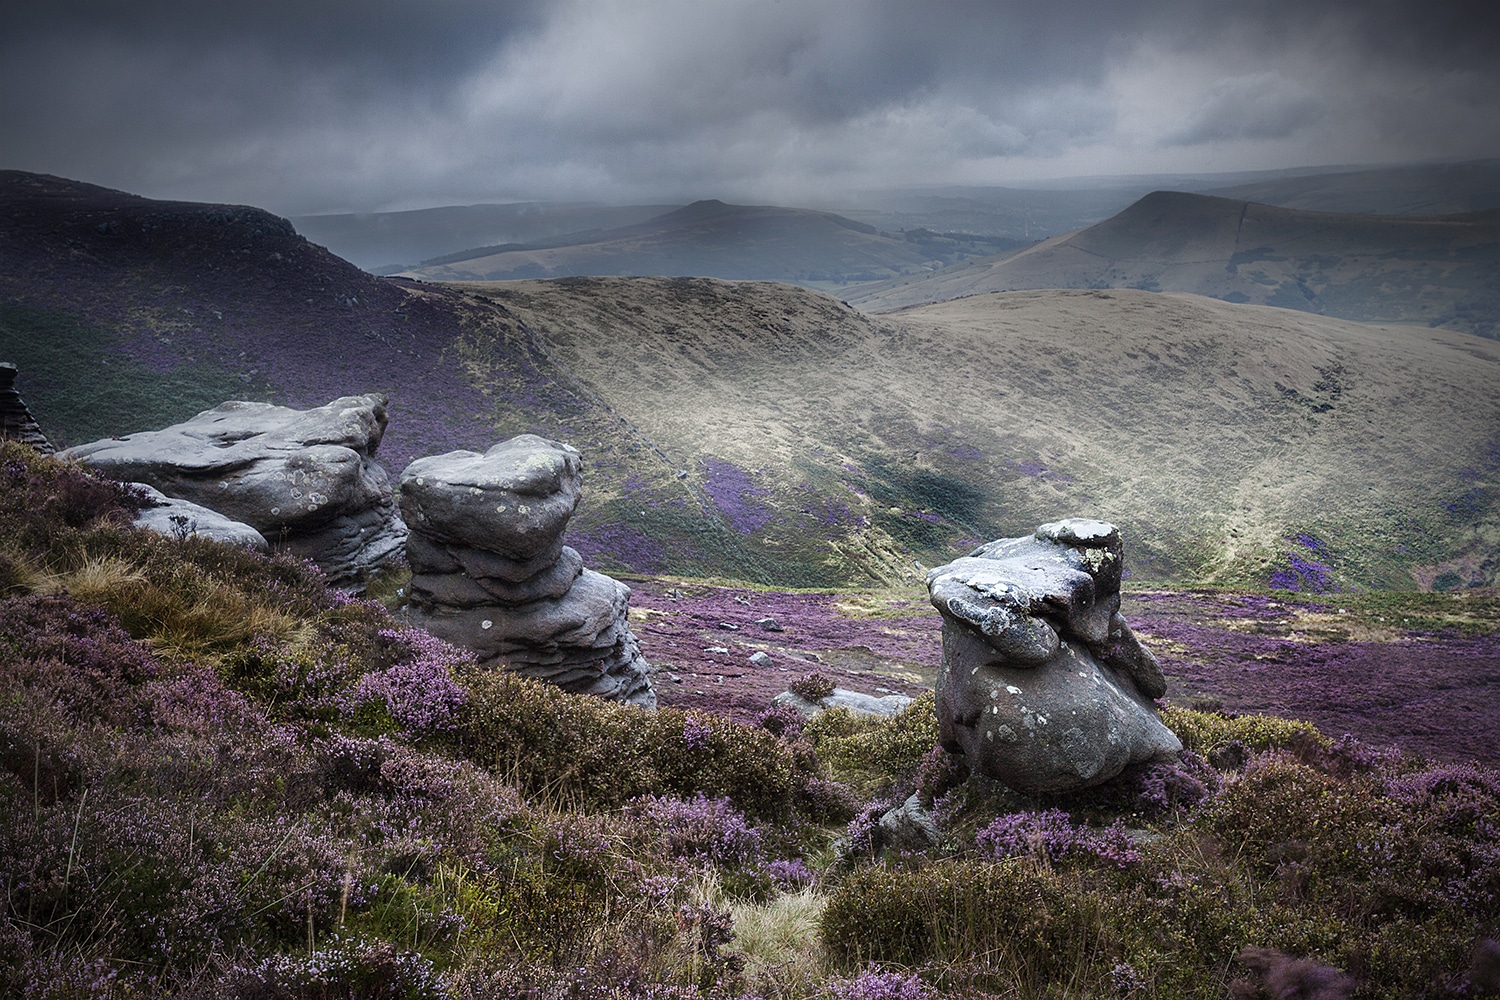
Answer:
(217, 777)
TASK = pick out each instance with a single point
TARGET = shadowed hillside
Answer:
(712, 239)
(1431, 271)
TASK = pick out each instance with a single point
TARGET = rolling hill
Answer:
(1442, 271)
(712, 239)
(386, 242)
(769, 433)
(1421, 189)
(1232, 441)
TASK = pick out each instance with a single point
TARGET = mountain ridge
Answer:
(1442, 270)
(710, 238)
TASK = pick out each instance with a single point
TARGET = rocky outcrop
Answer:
(490, 571)
(1043, 685)
(16, 423)
(305, 479)
(184, 519)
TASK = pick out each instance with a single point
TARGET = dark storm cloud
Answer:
(311, 105)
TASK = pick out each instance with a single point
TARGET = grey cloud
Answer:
(302, 105)
(1262, 106)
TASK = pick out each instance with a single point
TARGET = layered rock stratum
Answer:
(16, 422)
(490, 571)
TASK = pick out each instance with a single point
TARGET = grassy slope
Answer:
(1433, 271)
(770, 434)
(1214, 433)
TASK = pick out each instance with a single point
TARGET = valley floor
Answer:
(1421, 672)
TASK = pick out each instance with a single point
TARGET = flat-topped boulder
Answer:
(1043, 685)
(305, 479)
(490, 571)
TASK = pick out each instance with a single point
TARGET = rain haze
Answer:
(392, 104)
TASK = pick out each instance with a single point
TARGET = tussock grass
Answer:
(779, 939)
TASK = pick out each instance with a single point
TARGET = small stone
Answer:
(729, 626)
(761, 659)
(908, 827)
(769, 624)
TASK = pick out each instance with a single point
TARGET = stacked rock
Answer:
(305, 479)
(1043, 686)
(490, 571)
(16, 423)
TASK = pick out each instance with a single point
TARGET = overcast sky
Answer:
(305, 106)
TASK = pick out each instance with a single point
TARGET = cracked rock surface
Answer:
(490, 571)
(307, 480)
(1043, 686)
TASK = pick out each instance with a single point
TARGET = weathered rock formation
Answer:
(490, 571)
(854, 701)
(305, 479)
(1043, 685)
(16, 423)
(182, 518)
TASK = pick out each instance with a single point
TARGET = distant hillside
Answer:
(1229, 440)
(1432, 271)
(712, 239)
(1426, 189)
(766, 432)
(385, 242)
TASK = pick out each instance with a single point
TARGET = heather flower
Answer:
(1052, 835)
(1175, 786)
(782, 720)
(862, 835)
(872, 984)
(696, 733)
(417, 690)
(340, 968)
(736, 496)
(790, 874)
(196, 700)
(1125, 979)
(712, 830)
